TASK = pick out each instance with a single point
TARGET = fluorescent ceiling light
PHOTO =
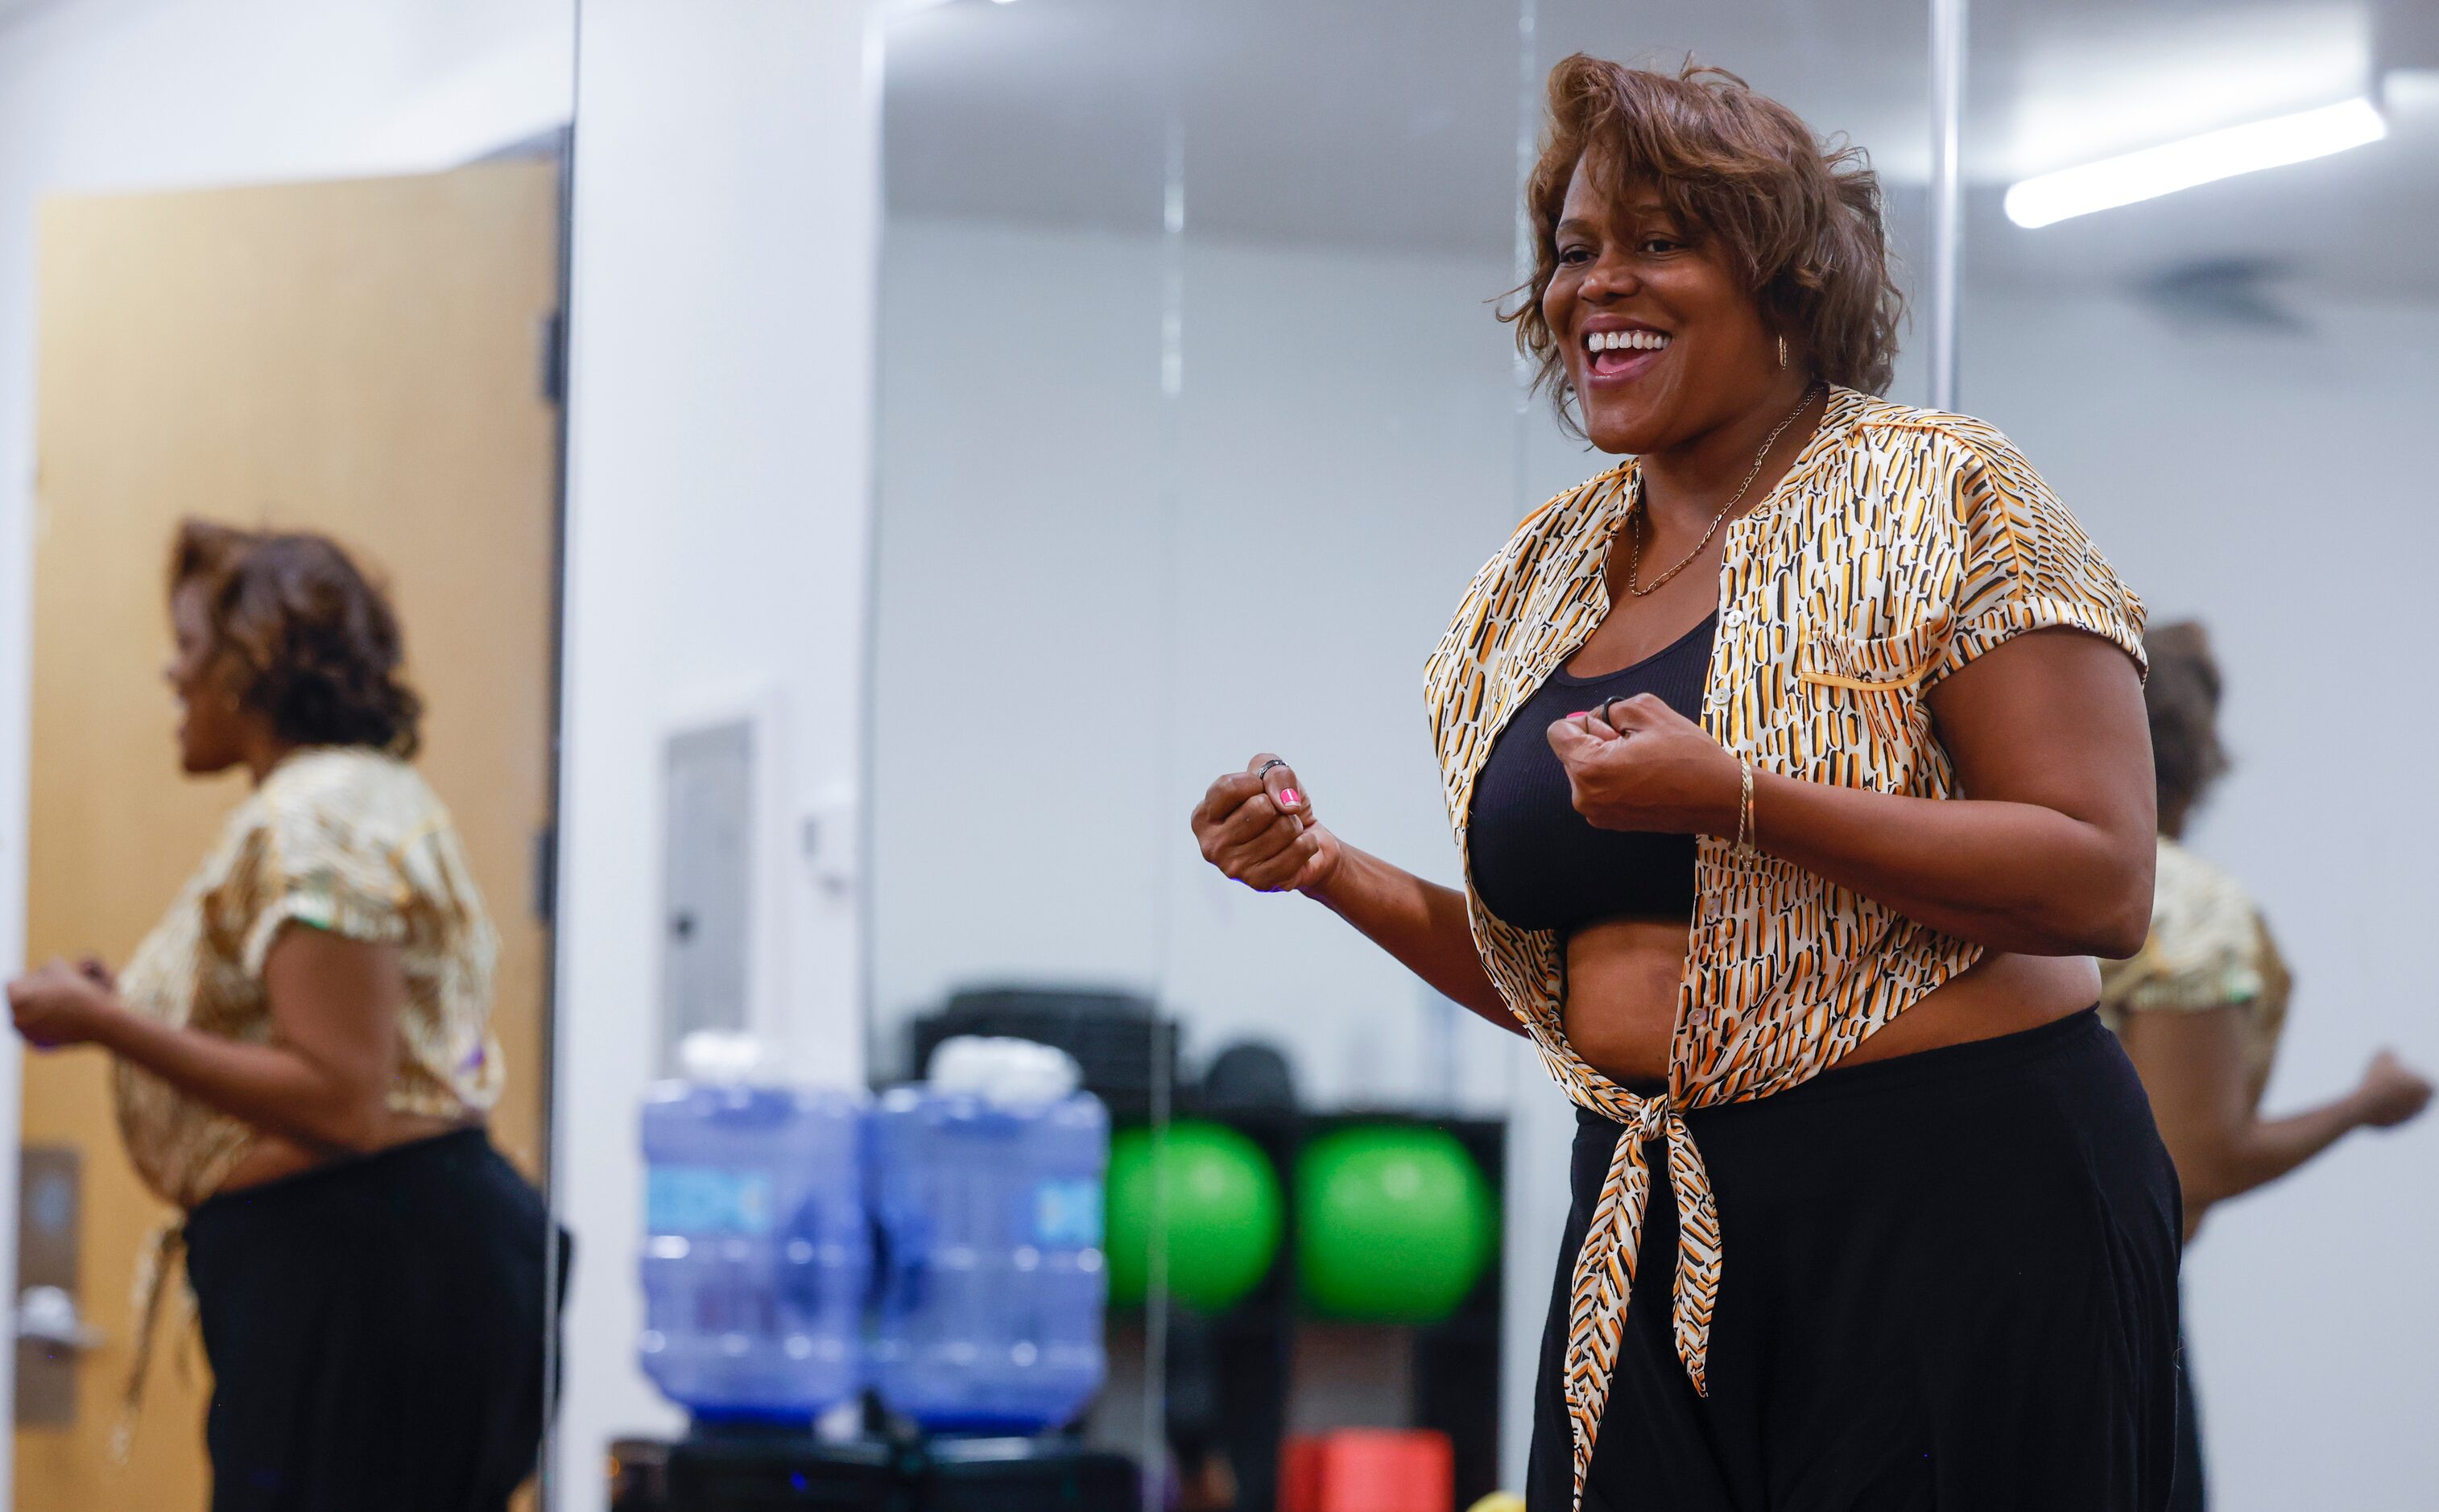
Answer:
(2158, 170)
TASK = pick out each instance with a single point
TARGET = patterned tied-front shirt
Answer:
(340, 839)
(1900, 544)
(343, 839)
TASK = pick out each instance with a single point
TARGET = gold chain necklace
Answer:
(1634, 527)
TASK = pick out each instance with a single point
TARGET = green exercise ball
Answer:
(1224, 1212)
(1394, 1224)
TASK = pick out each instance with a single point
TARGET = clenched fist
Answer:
(58, 1005)
(1639, 764)
(1257, 827)
(2393, 1093)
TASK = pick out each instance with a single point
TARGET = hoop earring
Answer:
(1782, 351)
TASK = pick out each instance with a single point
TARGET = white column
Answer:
(1947, 194)
(726, 217)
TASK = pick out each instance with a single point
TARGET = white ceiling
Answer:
(1394, 123)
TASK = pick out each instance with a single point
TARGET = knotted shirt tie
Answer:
(162, 1248)
(1604, 1276)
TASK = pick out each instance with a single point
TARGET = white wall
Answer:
(1068, 650)
(726, 206)
(1069, 647)
(111, 94)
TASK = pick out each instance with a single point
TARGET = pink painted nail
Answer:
(1288, 796)
(1579, 714)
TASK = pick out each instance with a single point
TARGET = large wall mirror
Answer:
(273, 280)
(1206, 479)
(1026, 426)
(1196, 416)
(2218, 379)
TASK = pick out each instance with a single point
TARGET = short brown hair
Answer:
(2182, 696)
(1800, 217)
(315, 643)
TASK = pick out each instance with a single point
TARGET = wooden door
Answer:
(360, 357)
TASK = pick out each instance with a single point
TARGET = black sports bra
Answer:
(1540, 864)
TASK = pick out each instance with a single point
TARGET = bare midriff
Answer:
(1623, 977)
(271, 1157)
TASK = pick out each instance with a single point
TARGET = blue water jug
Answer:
(757, 1249)
(986, 1184)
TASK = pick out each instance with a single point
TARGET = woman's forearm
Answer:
(2192, 1066)
(2262, 1150)
(1421, 923)
(2007, 875)
(269, 1086)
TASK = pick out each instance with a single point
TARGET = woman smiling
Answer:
(1798, 766)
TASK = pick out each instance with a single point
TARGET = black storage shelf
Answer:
(1454, 1364)
(795, 1472)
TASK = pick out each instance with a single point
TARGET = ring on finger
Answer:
(1265, 768)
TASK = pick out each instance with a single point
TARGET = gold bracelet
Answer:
(1745, 810)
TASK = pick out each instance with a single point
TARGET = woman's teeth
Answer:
(1604, 341)
(1613, 351)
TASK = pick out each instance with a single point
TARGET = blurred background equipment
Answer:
(984, 1185)
(1393, 1224)
(757, 1253)
(748, 1473)
(1252, 1362)
(1122, 1050)
(986, 1191)
(1354, 1469)
(1208, 1196)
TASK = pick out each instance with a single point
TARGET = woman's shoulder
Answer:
(1887, 422)
(346, 772)
(1993, 507)
(347, 795)
(1574, 506)
(1942, 450)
